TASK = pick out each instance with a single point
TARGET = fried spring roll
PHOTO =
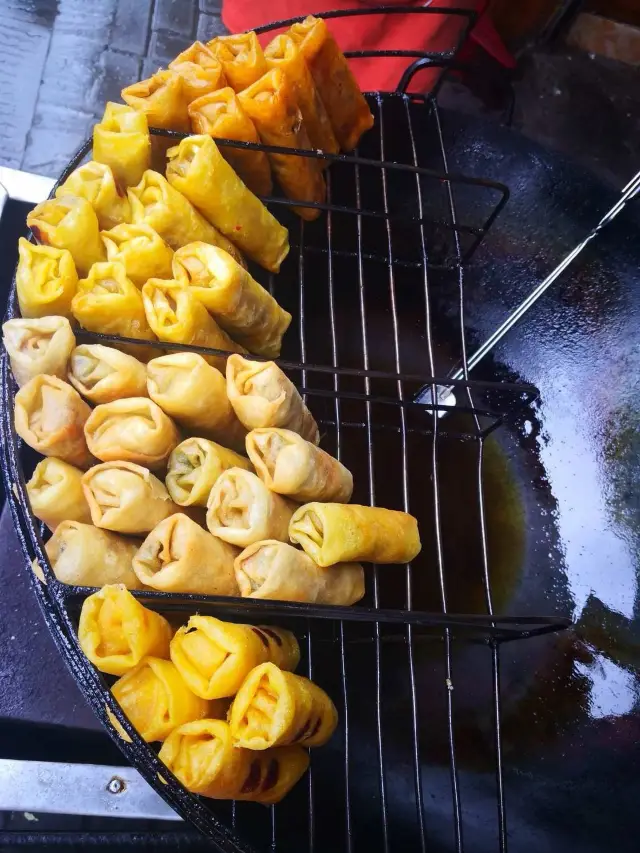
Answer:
(263, 396)
(198, 170)
(156, 700)
(84, 555)
(69, 222)
(96, 182)
(241, 57)
(121, 141)
(348, 110)
(194, 393)
(39, 345)
(116, 632)
(55, 493)
(284, 53)
(103, 374)
(203, 757)
(200, 69)
(214, 657)
(240, 305)
(194, 467)
(220, 115)
(50, 416)
(291, 466)
(162, 99)
(132, 430)
(276, 708)
(179, 556)
(241, 510)
(271, 104)
(141, 251)
(335, 532)
(46, 280)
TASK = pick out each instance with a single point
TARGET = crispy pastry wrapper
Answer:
(46, 280)
(84, 555)
(156, 700)
(263, 396)
(38, 345)
(198, 170)
(96, 183)
(194, 467)
(55, 493)
(275, 570)
(214, 657)
(104, 374)
(200, 69)
(194, 393)
(242, 58)
(179, 556)
(346, 105)
(116, 632)
(203, 757)
(284, 53)
(220, 115)
(271, 104)
(121, 141)
(162, 99)
(50, 416)
(69, 222)
(335, 532)
(240, 305)
(277, 708)
(291, 466)
(141, 251)
(241, 510)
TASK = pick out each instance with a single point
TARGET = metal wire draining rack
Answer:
(367, 282)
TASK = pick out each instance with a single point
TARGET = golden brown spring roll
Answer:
(204, 759)
(275, 570)
(179, 556)
(194, 467)
(50, 416)
(194, 393)
(200, 69)
(132, 430)
(39, 345)
(141, 251)
(84, 555)
(162, 99)
(96, 182)
(55, 493)
(103, 374)
(291, 466)
(121, 141)
(198, 170)
(284, 53)
(241, 510)
(220, 115)
(116, 632)
(348, 110)
(263, 396)
(240, 305)
(241, 57)
(69, 222)
(335, 532)
(271, 104)
(276, 708)
(46, 280)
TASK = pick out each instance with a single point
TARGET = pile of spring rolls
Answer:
(233, 718)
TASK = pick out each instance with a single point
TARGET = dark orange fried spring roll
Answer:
(241, 57)
(200, 70)
(162, 99)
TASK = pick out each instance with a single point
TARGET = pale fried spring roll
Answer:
(141, 251)
(194, 393)
(103, 374)
(161, 98)
(194, 467)
(55, 493)
(198, 170)
(69, 222)
(241, 57)
(240, 305)
(179, 556)
(50, 416)
(121, 141)
(277, 570)
(263, 396)
(84, 555)
(291, 466)
(200, 69)
(133, 430)
(241, 510)
(335, 532)
(271, 104)
(46, 280)
(36, 346)
(96, 182)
